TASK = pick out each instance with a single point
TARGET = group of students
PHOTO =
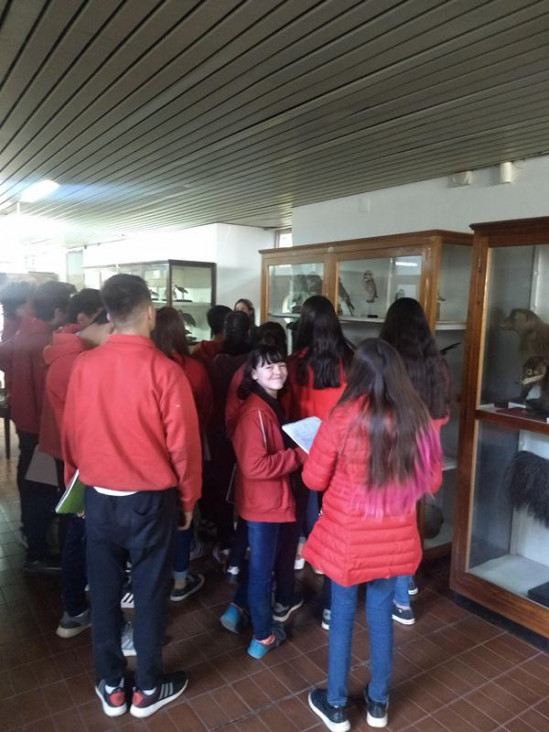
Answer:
(140, 412)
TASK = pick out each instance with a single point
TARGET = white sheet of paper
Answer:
(303, 432)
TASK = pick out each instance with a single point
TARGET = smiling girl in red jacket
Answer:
(264, 499)
(374, 456)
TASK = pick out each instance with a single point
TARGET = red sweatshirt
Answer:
(200, 386)
(21, 358)
(60, 357)
(130, 422)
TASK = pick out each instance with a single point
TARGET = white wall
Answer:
(234, 249)
(432, 204)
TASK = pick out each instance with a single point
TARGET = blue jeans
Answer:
(379, 605)
(402, 598)
(272, 548)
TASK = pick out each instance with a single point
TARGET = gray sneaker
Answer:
(126, 641)
(71, 625)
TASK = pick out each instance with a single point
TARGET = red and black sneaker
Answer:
(114, 703)
(171, 686)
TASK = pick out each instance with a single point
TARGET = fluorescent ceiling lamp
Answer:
(401, 263)
(6, 204)
(39, 190)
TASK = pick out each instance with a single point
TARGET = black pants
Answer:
(141, 528)
(38, 501)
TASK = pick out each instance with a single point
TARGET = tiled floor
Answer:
(453, 670)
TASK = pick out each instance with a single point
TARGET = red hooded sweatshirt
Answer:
(60, 357)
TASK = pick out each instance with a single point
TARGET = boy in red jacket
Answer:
(21, 356)
(130, 427)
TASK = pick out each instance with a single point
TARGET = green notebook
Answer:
(72, 500)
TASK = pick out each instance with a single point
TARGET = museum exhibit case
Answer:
(187, 286)
(501, 547)
(362, 278)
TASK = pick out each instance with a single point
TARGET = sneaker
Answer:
(335, 718)
(326, 618)
(126, 641)
(404, 615)
(233, 570)
(193, 584)
(114, 703)
(71, 625)
(412, 587)
(258, 649)
(234, 619)
(172, 686)
(299, 564)
(127, 601)
(376, 716)
(281, 612)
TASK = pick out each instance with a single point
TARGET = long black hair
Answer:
(392, 417)
(237, 328)
(325, 348)
(406, 329)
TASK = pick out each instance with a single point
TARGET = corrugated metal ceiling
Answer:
(180, 112)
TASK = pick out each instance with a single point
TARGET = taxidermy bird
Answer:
(314, 284)
(369, 285)
(154, 294)
(536, 371)
(344, 295)
(188, 320)
(399, 294)
(533, 333)
(179, 292)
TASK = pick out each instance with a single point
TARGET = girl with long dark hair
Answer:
(374, 456)
(264, 499)
(406, 329)
(169, 337)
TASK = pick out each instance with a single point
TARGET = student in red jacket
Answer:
(169, 337)
(406, 329)
(204, 351)
(264, 498)
(22, 357)
(130, 427)
(374, 456)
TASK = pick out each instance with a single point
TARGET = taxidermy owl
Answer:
(536, 371)
(369, 285)
(533, 333)
(344, 295)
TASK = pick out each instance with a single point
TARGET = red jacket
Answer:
(204, 351)
(130, 422)
(200, 386)
(303, 400)
(348, 543)
(59, 357)
(234, 403)
(21, 358)
(264, 464)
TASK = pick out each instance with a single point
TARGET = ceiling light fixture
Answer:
(38, 190)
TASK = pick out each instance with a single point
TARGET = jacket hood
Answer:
(63, 344)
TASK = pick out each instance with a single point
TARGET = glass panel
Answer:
(516, 324)
(510, 527)
(367, 287)
(155, 275)
(192, 296)
(290, 285)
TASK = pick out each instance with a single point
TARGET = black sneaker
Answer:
(281, 612)
(71, 625)
(376, 715)
(404, 615)
(335, 718)
(114, 703)
(193, 584)
(172, 686)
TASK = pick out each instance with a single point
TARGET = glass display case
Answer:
(501, 557)
(187, 286)
(363, 278)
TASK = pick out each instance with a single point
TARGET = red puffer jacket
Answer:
(348, 543)
(264, 464)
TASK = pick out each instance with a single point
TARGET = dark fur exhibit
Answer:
(533, 333)
(527, 480)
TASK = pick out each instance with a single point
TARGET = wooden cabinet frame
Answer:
(488, 237)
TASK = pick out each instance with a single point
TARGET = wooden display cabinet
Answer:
(362, 277)
(187, 286)
(501, 547)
